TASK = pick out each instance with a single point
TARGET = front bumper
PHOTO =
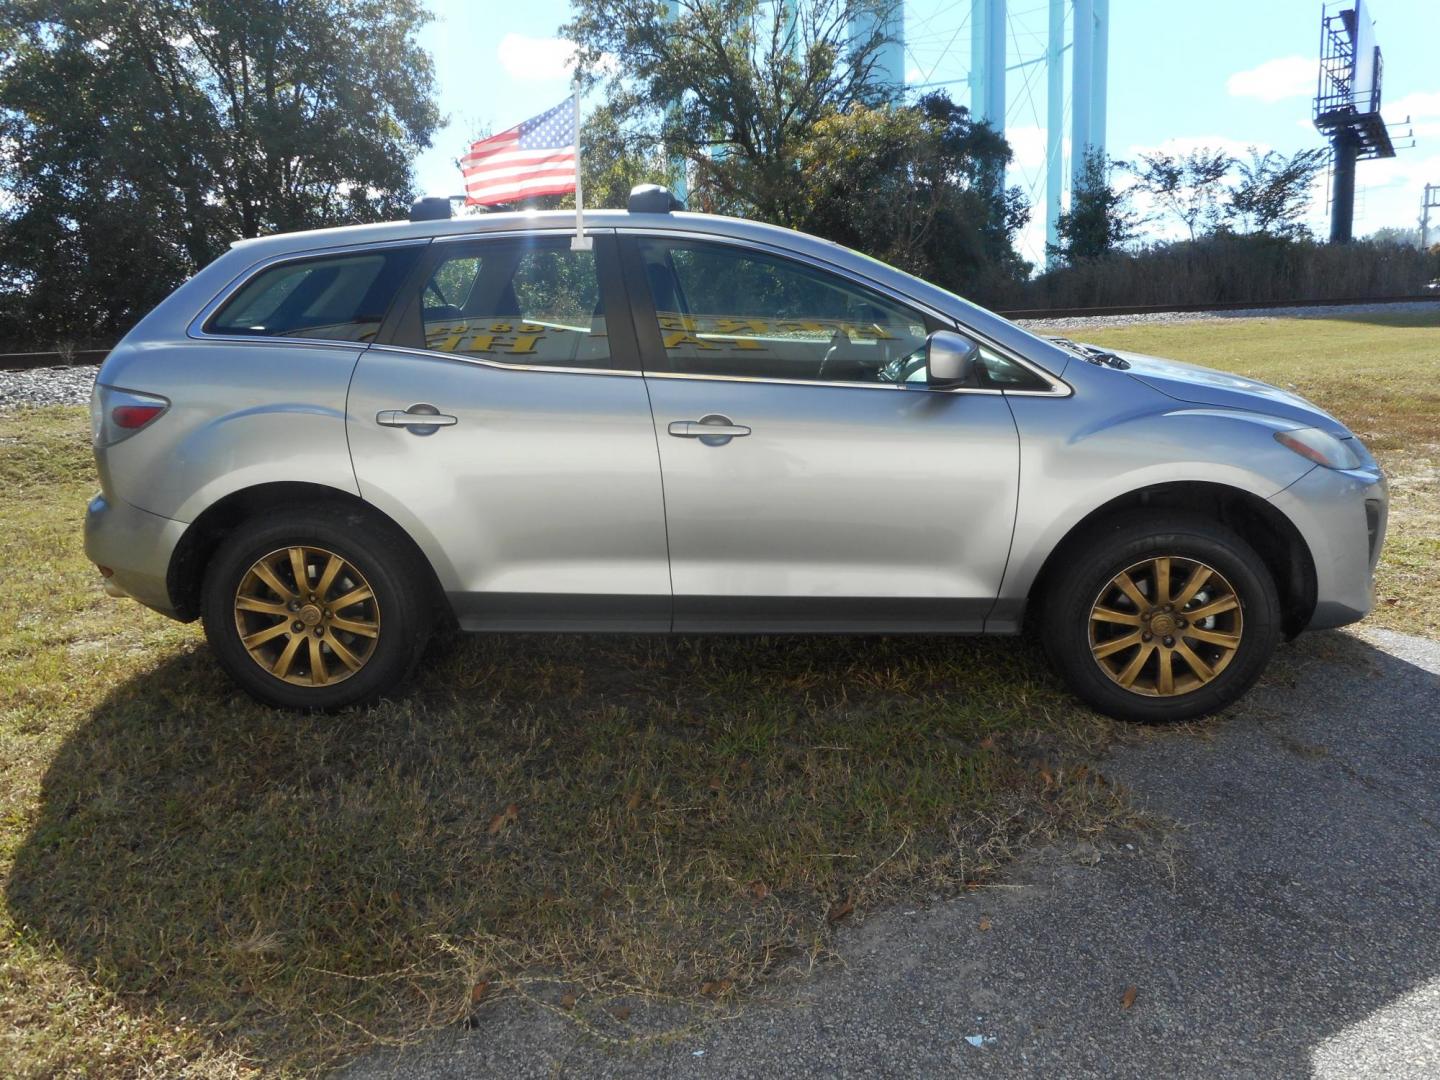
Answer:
(1341, 516)
(137, 546)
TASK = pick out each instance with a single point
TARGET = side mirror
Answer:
(950, 359)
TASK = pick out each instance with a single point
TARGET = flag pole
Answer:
(579, 242)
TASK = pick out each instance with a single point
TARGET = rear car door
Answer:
(502, 420)
(810, 482)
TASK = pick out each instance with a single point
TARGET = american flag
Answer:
(535, 158)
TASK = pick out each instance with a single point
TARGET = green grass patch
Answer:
(193, 883)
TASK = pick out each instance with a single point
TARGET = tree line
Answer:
(139, 137)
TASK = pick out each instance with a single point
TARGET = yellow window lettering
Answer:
(530, 328)
(500, 328)
(444, 342)
(524, 343)
(673, 321)
(679, 338)
(747, 343)
(481, 343)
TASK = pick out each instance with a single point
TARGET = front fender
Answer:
(1071, 465)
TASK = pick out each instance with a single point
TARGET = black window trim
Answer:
(199, 327)
(403, 325)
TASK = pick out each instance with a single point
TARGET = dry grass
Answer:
(197, 884)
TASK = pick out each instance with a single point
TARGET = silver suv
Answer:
(326, 444)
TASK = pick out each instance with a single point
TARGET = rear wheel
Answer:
(316, 609)
(1161, 617)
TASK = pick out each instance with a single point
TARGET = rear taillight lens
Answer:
(117, 414)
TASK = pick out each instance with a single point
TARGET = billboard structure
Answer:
(1347, 105)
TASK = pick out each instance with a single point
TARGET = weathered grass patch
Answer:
(194, 883)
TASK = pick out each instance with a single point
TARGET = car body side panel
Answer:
(840, 497)
(540, 508)
(241, 414)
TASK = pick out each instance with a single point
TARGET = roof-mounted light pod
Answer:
(431, 208)
(652, 199)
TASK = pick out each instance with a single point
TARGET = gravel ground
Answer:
(47, 386)
(1287, 925)
(71, 385)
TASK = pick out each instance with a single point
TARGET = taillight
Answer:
(117, 414)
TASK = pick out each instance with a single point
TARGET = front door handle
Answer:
(713, 430)
(421, 418)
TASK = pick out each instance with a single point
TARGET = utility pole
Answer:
(1430, 202)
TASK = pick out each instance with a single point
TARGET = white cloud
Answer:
(1275, 80)
(1416, 106)
(536, 59)
(1028, 142)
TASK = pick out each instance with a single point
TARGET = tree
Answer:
(772, 109)
(1100, 220)
(734, 87)
(913, 185)
(1188, 187)
(1274, 192)
(139, 137)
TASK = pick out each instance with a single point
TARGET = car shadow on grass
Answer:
(607, 813)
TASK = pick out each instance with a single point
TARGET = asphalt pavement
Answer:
(1286, 922)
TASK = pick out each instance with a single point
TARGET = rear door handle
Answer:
(421, 418)
(709, 427)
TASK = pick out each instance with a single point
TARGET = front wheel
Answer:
(315, 609)
(1161, 617)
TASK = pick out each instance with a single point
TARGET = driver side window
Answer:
(726, 310)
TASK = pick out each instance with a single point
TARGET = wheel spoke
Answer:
(270, 633)
(1119, 644)
(1202, 669)
(354, 626)
(353, 597)
(1197, 581)
(263, 607)
(1212, 637)
(1132, 669)
(297, 567)
(318, 674)
(1162, 580)
(1165, 682)
(1214, 607)
(1110, 615)
(327, 578)
(286, 658)
(1125, 584)
(347, 658)
(266, 573)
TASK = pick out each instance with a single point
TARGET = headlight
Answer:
(1320, 447)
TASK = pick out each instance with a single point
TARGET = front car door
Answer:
(811, 482)
(535, 491)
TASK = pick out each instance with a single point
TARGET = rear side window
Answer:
(532, 302)
(334, 298)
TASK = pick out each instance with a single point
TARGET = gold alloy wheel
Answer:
(1165, 626)
(307, 616)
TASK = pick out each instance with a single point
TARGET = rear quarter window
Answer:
(328, 298)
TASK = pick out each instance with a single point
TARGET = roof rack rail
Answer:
(652, 199)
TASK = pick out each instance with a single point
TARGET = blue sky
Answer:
(1183, 73)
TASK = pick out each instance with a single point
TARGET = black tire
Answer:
(401, 605)
(1128, 541)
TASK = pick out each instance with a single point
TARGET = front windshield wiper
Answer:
(1092, 354)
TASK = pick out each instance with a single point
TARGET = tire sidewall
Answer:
(385, 565)
(1066, 628)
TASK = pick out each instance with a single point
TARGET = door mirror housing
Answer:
(950, 359)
